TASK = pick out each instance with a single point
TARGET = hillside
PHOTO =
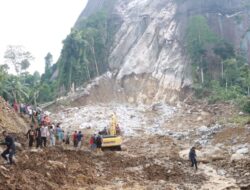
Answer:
(145, 45)
(9, 120)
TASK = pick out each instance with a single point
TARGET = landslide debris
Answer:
(9, 119)
(66, 168)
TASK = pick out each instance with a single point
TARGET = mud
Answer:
(148, 160)
(63, 168)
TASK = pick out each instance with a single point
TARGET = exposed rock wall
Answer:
(230, 19)
(148, 56)
(147, 43)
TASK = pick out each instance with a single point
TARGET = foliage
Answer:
(199, 37)
(219, 74)
(244, 103)
(84, 54)
(26, 87)
(48, 62)
(238, 119)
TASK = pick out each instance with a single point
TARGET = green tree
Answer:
(84, 53)
(14, 88)
(245, 76)
(3, 72)
(48, 61)
(199, 35)
(3, 77)
(225, 51)
(231, 71)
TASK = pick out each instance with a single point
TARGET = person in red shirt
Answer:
(92, 142)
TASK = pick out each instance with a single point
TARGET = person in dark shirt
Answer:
(38, 137)
(79, 139)
(31, 136)
(11, 148)
(75, 139)
(98, 142)
(192, 157)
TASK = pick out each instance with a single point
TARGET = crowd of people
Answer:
(43, 133)
(55, 135)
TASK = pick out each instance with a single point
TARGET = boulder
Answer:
(244, 150)
(237, 157)
(221, 172)
(203, 129)
(18, 146)
(199, 118)
(56, 164)
(36, 150)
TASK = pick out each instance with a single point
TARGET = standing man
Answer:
(192, 157)
(67, 138)
(99, 143)
(92, 142)
(79, 139)
(11, 148)
(38, 137)
(44, 134)
(52, 136)
(74, 137)
(59, 133)
(31, 136)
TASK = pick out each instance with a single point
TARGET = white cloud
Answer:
(38, 25)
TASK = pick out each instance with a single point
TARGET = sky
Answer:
(38, 25)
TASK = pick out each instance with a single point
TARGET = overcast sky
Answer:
(38, 25)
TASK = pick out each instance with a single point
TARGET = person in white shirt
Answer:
(44, 135)
(52, 133)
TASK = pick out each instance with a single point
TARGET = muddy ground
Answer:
(66, 168)
(156, 161)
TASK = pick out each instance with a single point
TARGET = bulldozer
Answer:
(112, 140)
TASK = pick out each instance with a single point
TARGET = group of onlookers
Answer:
(56, 135)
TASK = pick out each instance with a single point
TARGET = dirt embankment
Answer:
(9, 120)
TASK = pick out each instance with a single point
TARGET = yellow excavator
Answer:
(112, 140)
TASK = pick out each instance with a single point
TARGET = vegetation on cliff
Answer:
(219, 72)
(84, 54)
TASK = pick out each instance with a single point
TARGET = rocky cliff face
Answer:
(148, 55)
(228, 18)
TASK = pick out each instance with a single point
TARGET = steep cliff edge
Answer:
(148, 56)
